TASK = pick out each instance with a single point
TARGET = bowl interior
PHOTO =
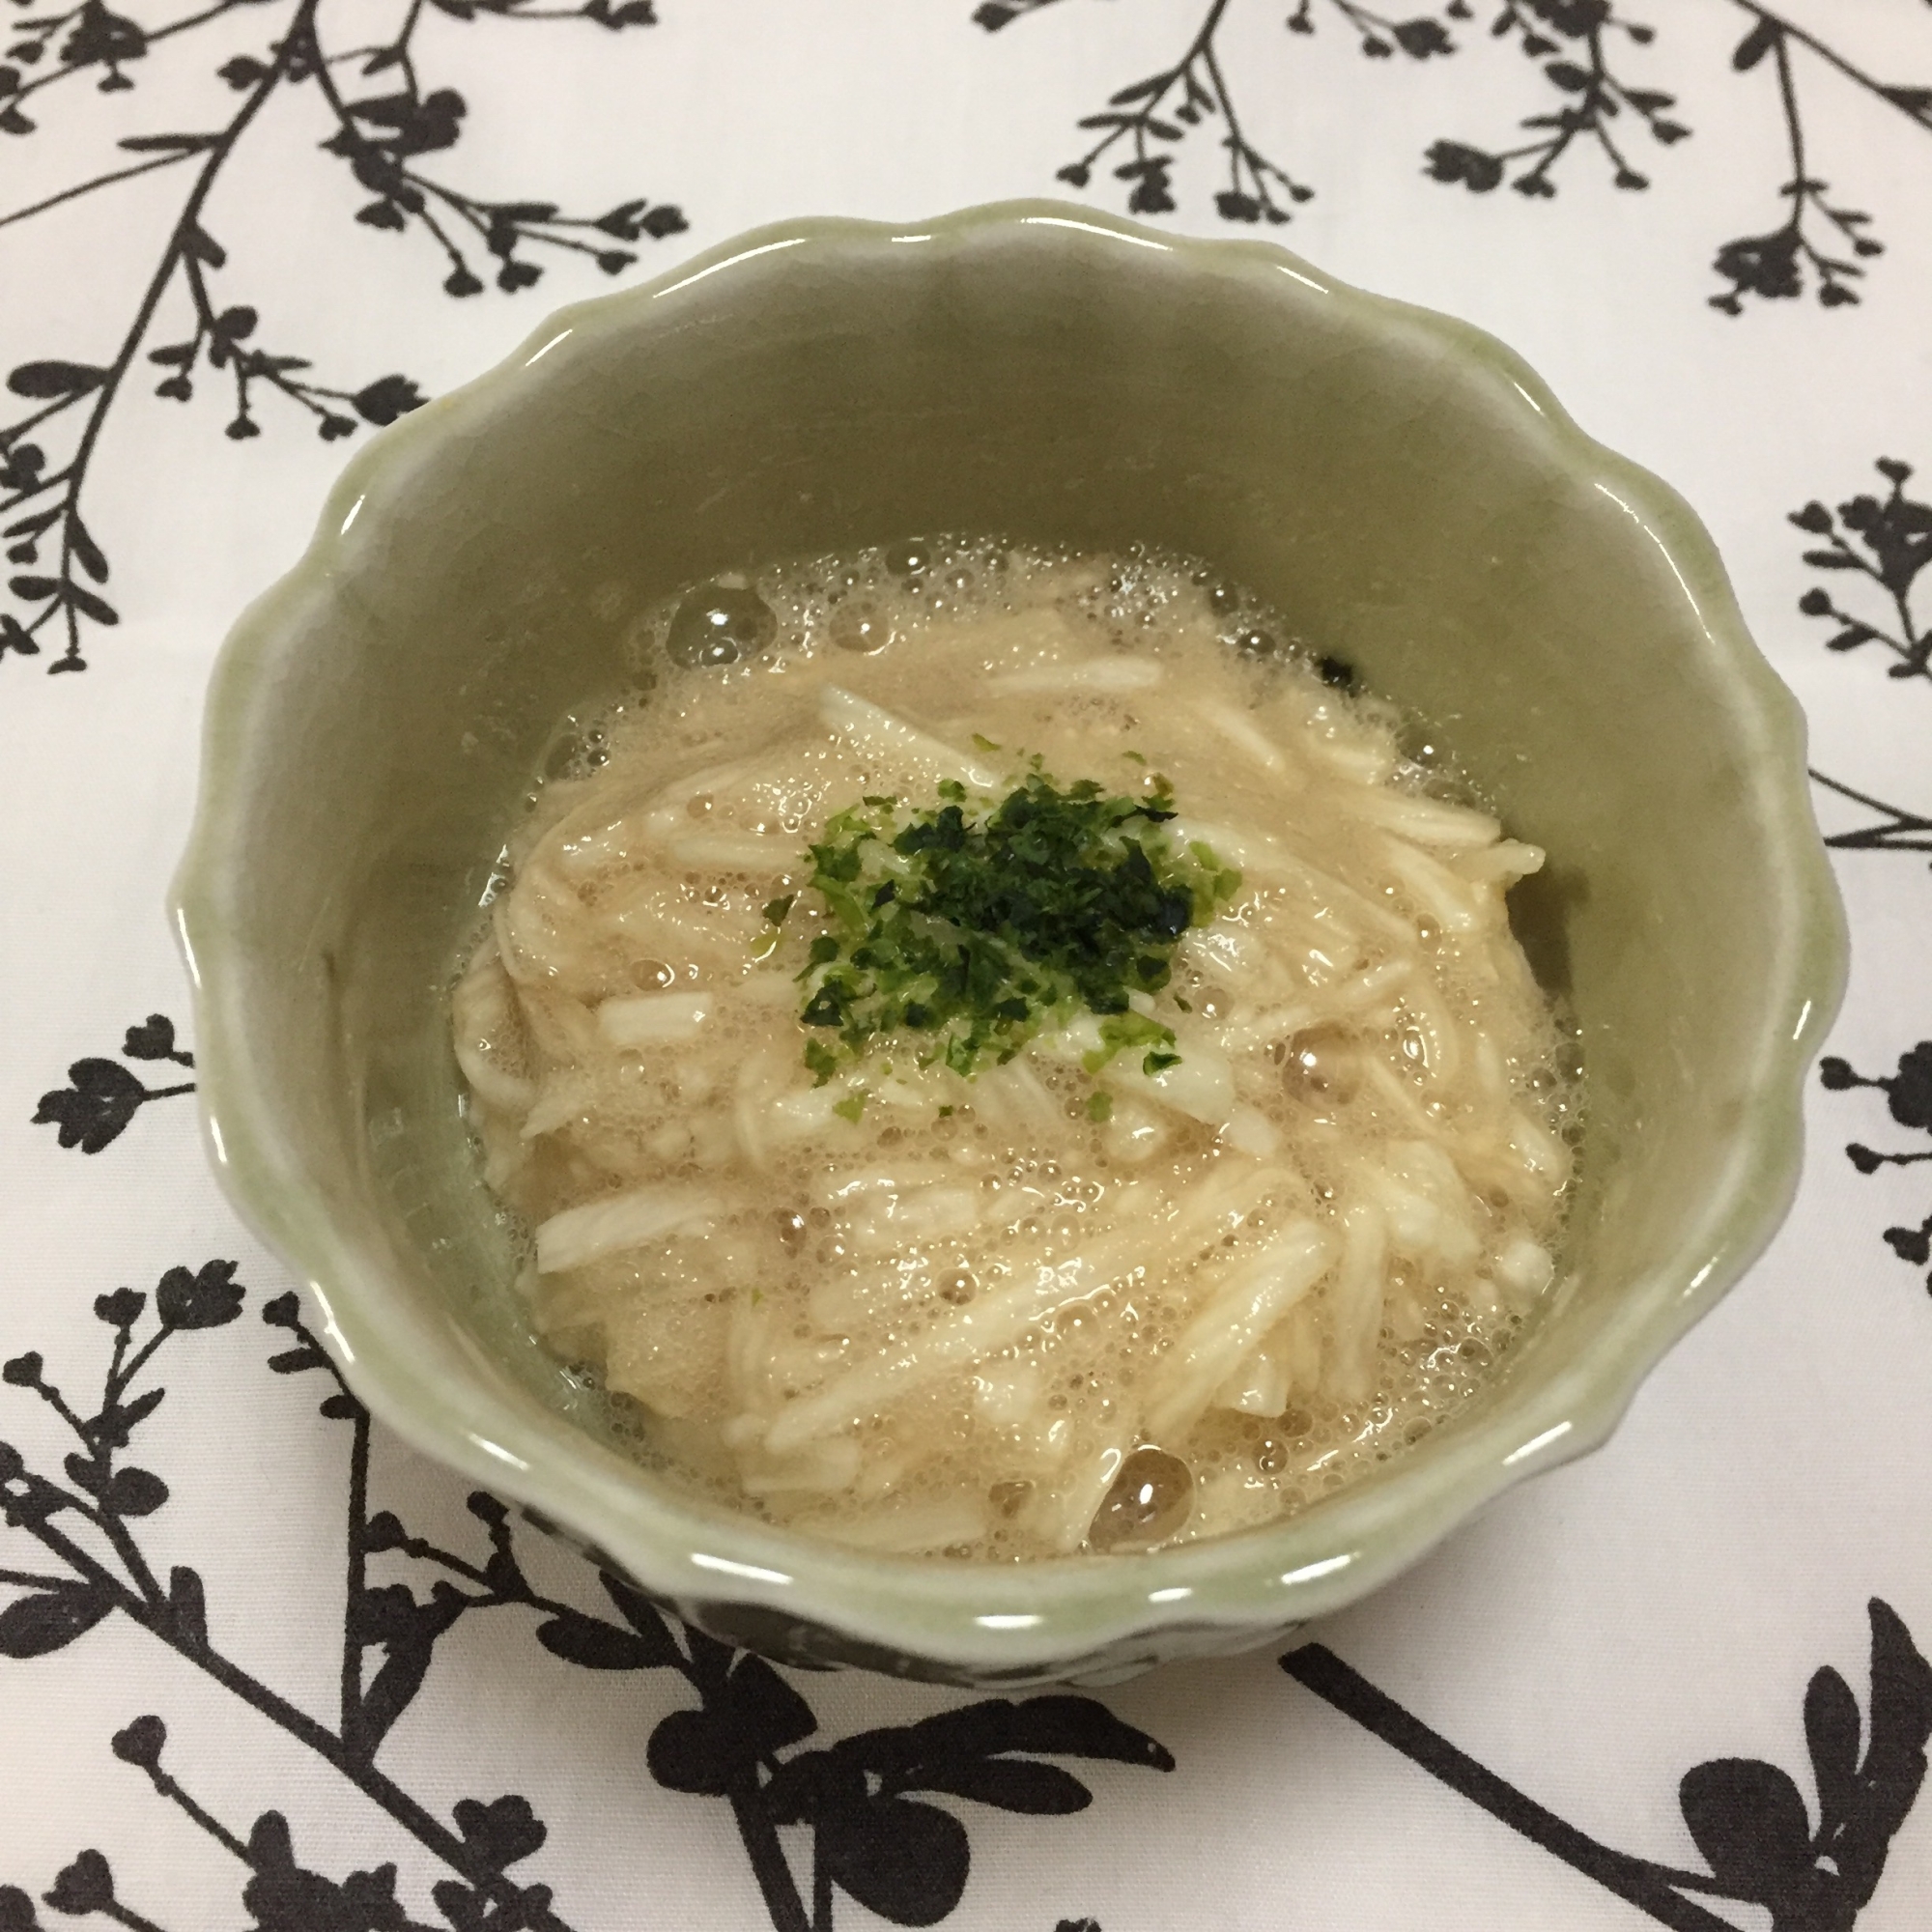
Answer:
(1403, 491)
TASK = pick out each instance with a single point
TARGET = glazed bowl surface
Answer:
(1399, 485)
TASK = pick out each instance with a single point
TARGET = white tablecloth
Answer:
(1682, 1679)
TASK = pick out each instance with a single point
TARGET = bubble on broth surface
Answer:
(719, 624)
(861, 628)
(1147, 1502)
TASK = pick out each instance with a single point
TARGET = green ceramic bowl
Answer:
(1403, 487)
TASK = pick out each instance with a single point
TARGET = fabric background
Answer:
(1612, 1698)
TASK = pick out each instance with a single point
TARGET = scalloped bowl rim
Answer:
(985, 1618)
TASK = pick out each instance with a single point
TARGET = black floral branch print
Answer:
(1895, 829)
(102, 1096)
(1595, 103)
(1890, 543)
(1887, 542)
(97, 42)
(1380, 37)
(382, 136)
(85, 1526)
(83, 1887)
(1747, 1818)
(59, 567)
(993, 14)
(1146, 122)
(1588, 97)
(1908, 1096)
(1138, 116)
(1818, 236)
(1774, 265)
(874, 1835)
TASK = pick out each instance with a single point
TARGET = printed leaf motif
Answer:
(169, 144)
(119, 1420)
(1754, 45)
(155, 1039)
(187, 1599)
(690, 1751)
(17, 1911)
(754, 1715)
(1893, 1770)
(383, 402)
(45, 1621)
(1750, 1823)
(210, 1297)
(55, 379)
(905, 1860)
(1886, 540)
(1832, 1731)
(134, 1492)
(286, 1897)
(466, 1909)
(406, 1630)
(87, 603)
(501, 1832)
(100, 36)
(85, 1886)
(1454, 161)
(141, 1743)
(1908, 1091)
(95, 1106)
(642, 1615)
(119, 1310)
(102, 1096)
(763, 1707)
(1010, 1784)
(87, 552)
(596, 1645)
(1051, 1725)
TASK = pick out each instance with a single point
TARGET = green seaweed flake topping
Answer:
(971, 925)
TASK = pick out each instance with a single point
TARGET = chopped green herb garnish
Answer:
(850, 1108)
(1121, 1031)
(1138, 757)
(776, 909)
(973, 924)
(945, 1113)
(983, 744)
(1100, 1106)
